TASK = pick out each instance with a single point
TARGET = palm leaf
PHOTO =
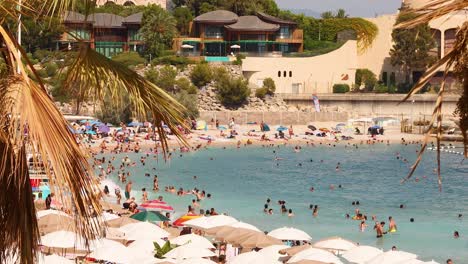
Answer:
(95, 76)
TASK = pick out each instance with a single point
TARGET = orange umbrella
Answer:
(184, 218)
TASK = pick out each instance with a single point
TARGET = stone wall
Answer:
(273, 118)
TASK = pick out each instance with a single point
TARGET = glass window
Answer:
(213, 32)
(284, 48)
(284, 32)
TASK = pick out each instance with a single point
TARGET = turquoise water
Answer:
(241, 180)
(216, 59)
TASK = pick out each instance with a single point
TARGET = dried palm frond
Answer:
(32, 124)
(455, 59)
(433, 10)
(93, 75)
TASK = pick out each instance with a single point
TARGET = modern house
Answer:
(109, 34)
(221, 33)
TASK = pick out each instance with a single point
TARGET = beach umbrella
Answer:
(281, 128)
(289, 233)
(53, 259)
(234, 235)
(235, 46)
(187, 46)
(272, 252)
(135, 124)
(391, 257)
(181, 220)
(150, 216)
(63, 239)
(431, 262)
(361, 254)
(122, 221)
(315, 254)
(192, 238)
(43, 213)
(115, 234)
(222, 128)
(335, 243)
(189, 251)
(103, 128)
(412, 261)
(245, 226)
(143, 230)
(307, 261)
(212, 221)
(90, 132)
(294, 250)
(252, 257)
(258, 240)
(156, 205)
(55, 222)
(197, 261)
(144, 246)
(115, 253)
(108, 216)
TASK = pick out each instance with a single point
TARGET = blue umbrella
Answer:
(375, 127)
(222, 128)
(103, 128)
(90, 132)
(281, 128)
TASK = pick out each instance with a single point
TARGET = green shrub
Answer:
(40, 55)
(130, 58)
(367, 78)
(340, 88)
(392, 89)
(184, 84)
(51, 68)
(201, 75)
(163, 78)
(189, 101)
(269, 85)
(178, 61)
(239, 58)
(220, 73)
(404, 87)
(42, 73)
(232, 91)
(380, 88)
(261, 92)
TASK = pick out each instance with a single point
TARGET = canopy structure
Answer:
(289, 233)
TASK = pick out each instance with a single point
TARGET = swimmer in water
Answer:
(362, 226)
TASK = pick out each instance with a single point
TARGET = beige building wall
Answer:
(308, 75)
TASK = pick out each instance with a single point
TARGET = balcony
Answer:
(214, 35)
(297, 36)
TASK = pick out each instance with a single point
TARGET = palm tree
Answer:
(457, 61)
(30, 123)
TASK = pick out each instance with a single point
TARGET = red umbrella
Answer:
(157, 205)
(184, 218)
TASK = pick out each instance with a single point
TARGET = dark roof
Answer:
(218, 16)
(105, 20)
(74, 17)
(134, 19)
(252, 23)
(272, 19)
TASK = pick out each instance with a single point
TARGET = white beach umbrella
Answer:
(104, 242)
(245, 225)
(289, 233)
(361, 254)
(335, 243)
(63, 239)
(412, 261)
(391, 257)
(53, 259)
(108, 216)
(144, 246)
(143, 230)
(272, 252)
(189, 251)
(210, 222)
(43, 213)
(315, 254)
(197, 240)
(431, 262)
(235, 46)
(187, 46)
(196, 261)
(252, 257)
(117, 254)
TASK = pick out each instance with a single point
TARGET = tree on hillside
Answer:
(158, 29)
(327, 15)
(40, 34)
(183, 16)
(411, 47)
(341, 13)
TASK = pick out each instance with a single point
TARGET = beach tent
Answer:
(315, 254)
(361, 254)
(281, 128)
(192, 238)
(201, 125)
(335, 243)
(390, 257)
(189, 251)
(289, 233)
(266, 127)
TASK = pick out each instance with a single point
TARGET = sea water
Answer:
(241, 180)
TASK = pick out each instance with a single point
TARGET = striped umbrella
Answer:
(184, 218)
(156, 205)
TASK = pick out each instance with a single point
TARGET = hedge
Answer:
(340, 88)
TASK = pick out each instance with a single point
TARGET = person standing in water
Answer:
(128, 189)
(392, 228)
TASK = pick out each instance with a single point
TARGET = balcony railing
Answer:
(214, 35)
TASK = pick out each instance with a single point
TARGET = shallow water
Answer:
(241, 180)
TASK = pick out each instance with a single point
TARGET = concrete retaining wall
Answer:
(274, 118)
